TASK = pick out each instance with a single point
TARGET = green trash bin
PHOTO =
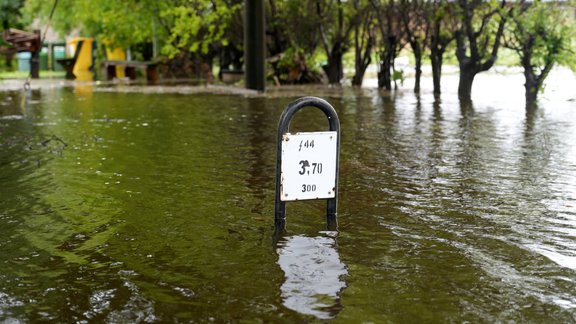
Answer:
(24, 61)
(44, 59)
(58, 52)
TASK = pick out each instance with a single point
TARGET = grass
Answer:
(24, 74)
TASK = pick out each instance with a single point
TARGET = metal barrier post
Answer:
(313, 162)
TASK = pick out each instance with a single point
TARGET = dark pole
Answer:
(254, 48)
(35, 56)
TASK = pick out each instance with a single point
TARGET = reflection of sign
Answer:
(309, 165)
(314, 275)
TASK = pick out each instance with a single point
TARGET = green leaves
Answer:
(122, 23)
(542, 35)
(196, 28)
(181, 25)
(10, 13)
(544, 32)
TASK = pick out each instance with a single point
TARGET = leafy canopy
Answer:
(179, 25)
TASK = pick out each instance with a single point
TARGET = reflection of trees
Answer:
(52, 228)
(78, 218)
(461, 154)
(435, 137)
(27, 152)
(537, 145)
(260, 153)
(468, 155)
(368, 125)
(20, 156)
(186, 233)
(536, 199)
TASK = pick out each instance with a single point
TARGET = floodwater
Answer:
(158, 207)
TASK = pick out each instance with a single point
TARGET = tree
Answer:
(197, 26)
(334, 27)
(441, 35)
(292, 42)
(197, 31)
(391, 35)
(541, 34)
(10, 13)
(416, 25)
(11, 18)
(279, 16)
(478, 39)
(363, 40)
(120, 23)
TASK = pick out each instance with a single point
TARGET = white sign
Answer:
(308, 166)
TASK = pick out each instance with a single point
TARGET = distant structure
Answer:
(26, 42)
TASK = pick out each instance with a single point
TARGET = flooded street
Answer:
(121, 206)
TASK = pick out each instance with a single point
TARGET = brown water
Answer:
(124, 207)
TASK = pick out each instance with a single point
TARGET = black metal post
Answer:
(254, 46)
(283, 128)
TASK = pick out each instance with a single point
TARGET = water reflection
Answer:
(313, 274)
(539, 152)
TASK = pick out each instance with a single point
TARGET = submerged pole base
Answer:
(331, 222)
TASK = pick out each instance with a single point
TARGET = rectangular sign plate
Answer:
(308, 165)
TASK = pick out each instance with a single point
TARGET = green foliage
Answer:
(197, 26)
(295, 66)
(398, 75)
(183, 25)
(555, 29)
(120, 23)
(544, 34)
(10, 13)
(300, 22)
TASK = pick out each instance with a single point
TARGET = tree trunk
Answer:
(467, 75)
(362, 64)
(362, 60)
(358, 76)
(418, 69)
(358, 59)
(473, 49)
(334, 70)
(384, 75)
(436, 60)
(531, 94)
(531, 86)
(9, 58)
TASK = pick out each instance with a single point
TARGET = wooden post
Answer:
(254, 46)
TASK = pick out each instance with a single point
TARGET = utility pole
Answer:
(254, 46)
